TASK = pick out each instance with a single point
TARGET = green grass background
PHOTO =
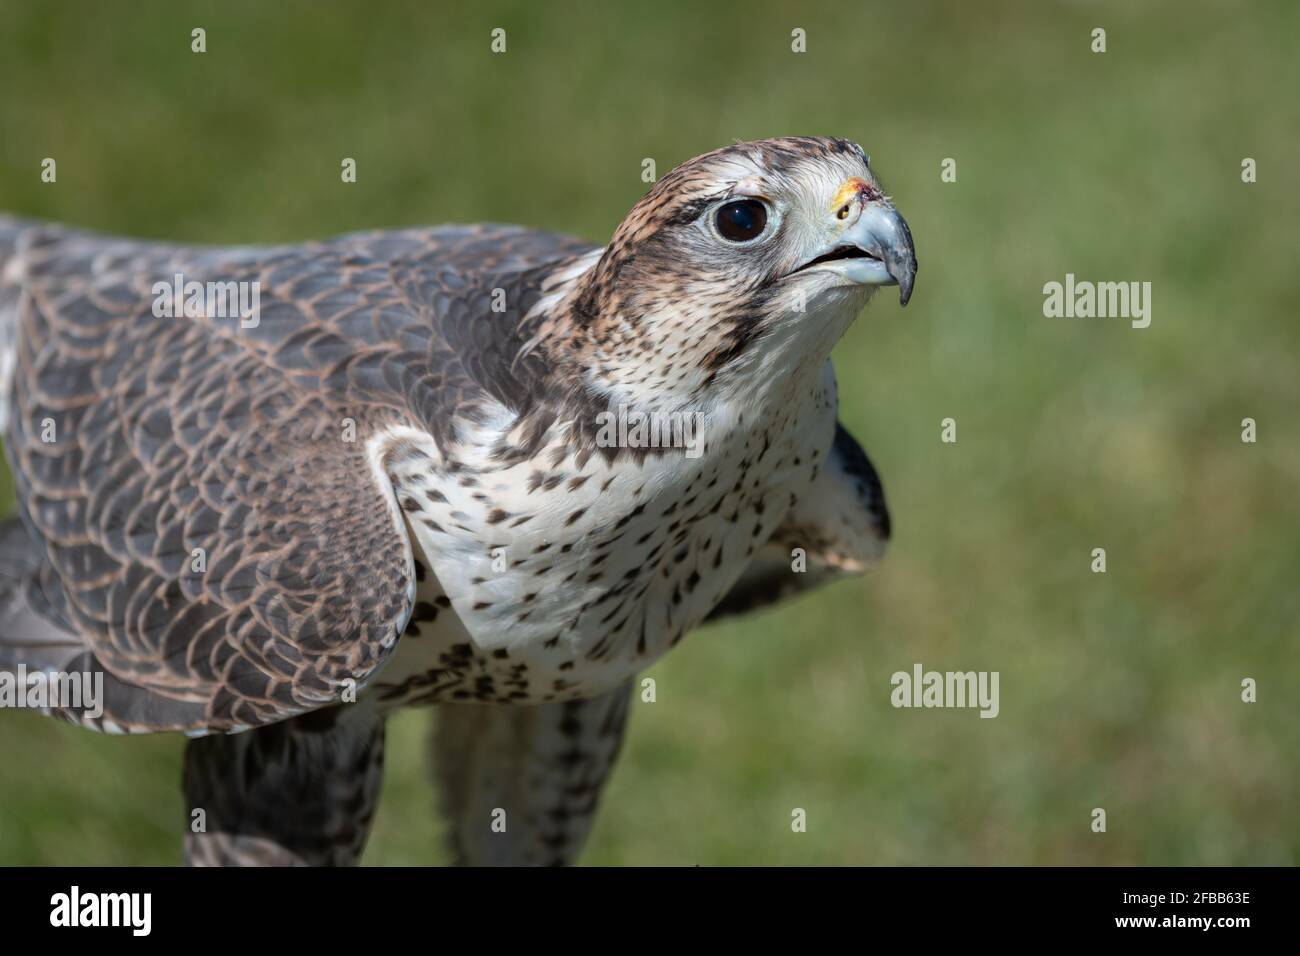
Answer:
(1118, 690)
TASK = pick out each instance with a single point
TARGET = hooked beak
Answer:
(876, 249)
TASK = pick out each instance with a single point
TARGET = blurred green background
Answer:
(1118, 690)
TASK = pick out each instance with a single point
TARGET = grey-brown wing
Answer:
(840, 527)
(199, 490)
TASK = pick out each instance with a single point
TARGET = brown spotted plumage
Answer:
(394, 484)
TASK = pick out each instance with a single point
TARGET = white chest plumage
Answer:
(557, 581)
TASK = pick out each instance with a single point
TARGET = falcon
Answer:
(388, 487)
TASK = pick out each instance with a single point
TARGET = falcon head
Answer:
(759, 248)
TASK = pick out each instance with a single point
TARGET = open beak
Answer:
(875, 249)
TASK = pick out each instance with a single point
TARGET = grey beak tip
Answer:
(902, 263)
(905, 288)
(904, 273)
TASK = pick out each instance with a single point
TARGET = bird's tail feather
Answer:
(32, 632)
(35, 637)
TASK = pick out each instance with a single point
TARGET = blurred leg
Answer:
(520, 784)
(298, 793)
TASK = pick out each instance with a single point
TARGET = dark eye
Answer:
(742, 220)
